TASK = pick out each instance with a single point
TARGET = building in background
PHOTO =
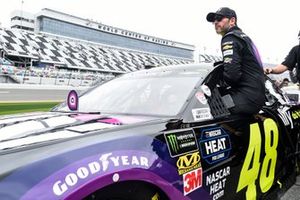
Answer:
(22, 20)
(59, 23)
(52, 47)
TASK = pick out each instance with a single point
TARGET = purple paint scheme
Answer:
(86, 117)
(112, 119)
(163, 150)
(133, 174)
(118, 119)
(65, 181)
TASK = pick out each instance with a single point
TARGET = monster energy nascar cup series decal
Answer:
(181, 142)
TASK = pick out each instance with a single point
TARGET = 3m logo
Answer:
(173, 143)
(192, 181)
(188, 163)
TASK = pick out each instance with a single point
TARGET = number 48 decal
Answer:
(249, 173)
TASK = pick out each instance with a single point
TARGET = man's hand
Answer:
(268, 70)
(278, 69)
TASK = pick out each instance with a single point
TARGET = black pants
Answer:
(243, 105)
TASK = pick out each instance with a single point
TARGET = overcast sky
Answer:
(272, 25)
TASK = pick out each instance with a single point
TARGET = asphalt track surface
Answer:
(60, 94)
(15, 95)
(9, 94)
(294, 192)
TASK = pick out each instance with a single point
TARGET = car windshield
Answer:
(162, 93)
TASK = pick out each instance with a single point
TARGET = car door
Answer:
(242, 157)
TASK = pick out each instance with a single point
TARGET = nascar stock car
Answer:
(293, 93)
(160, 133)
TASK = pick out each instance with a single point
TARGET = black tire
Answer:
(128, 190)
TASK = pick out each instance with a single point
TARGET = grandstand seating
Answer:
(210, 58)
(72, 53)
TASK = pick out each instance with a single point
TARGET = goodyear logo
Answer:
(181, 142)
(188, 163)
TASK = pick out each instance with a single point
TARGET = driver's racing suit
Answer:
(243, 72)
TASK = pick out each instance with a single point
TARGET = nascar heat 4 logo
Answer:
(215, 145)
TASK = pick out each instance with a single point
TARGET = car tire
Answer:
(128, 190)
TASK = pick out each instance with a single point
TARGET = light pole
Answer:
(22, 2)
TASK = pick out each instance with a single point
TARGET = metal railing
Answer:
(52, 78)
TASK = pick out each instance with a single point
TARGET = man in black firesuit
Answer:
(243, 71)
(292, 61)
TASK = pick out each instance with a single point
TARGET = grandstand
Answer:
(26, 47)
(52, 47)
(209, 58)
(39, 51)
(96, 52)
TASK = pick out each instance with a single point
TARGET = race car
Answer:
(293, 93)
(164, 133)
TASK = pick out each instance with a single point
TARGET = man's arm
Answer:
(276, 70)
(231, 49)
(288, 64)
